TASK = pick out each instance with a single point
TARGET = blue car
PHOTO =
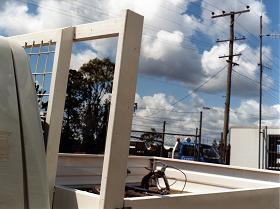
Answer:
(190, 151)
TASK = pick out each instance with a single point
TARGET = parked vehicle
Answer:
(189, 150)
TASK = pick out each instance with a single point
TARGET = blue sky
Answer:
(179, 54)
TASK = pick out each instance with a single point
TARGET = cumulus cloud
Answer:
(102, 48)
(165, 37)
(167, 49)
(167, 52)
(50, 14)
(245, 76)
(78, 59)
(165, 56)
(16, 19)
(246, 23)
(184, 116)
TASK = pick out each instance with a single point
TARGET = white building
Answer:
(247, 151)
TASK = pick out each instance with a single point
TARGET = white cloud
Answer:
(105, 47)
(78, 59)
(219, 27)
(166, 47)
(184, 116)
(166, 52)
(163, 24)
(244, 76)
(158, 49)
(16, 19)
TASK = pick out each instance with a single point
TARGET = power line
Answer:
(195, 89)
(255, 82)
(176, 111)
(165, 118)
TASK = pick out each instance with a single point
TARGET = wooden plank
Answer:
(83, 32)
(56, 101)
(36, 38)
(121, 110)
(98, 30)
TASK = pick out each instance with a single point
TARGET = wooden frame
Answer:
(128, 28)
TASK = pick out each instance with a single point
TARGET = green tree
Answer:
(153, 141)
(87, 107)
(43, 105)
(72, 123)
(99, 79)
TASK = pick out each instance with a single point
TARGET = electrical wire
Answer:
(169, 166)
(196, 89)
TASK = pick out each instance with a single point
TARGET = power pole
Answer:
(230, 65)
(196, 143)
(275, 35)
(200, 131)
(196, 134)
(163, 136)
(260, 102)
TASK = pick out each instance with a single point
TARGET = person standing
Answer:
(176, 149)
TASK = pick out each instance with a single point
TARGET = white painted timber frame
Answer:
(128, 29)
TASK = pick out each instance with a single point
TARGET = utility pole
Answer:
(200, 131)
(196, 143)
(230, 65)
(261, 79)
(260, 102)
(196, 134)
(163, 136)
(222, 148)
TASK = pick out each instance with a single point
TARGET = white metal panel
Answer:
(224, 170)
(273, 131)
(66, 198)
(244, 147)
(241, 199)
(11, 163)
(84, 169)
(208, 186)
(31, 133)
(216, 180)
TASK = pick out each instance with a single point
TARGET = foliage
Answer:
(43, 105)
(40, 98)
(153, 141)
(87, 107)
